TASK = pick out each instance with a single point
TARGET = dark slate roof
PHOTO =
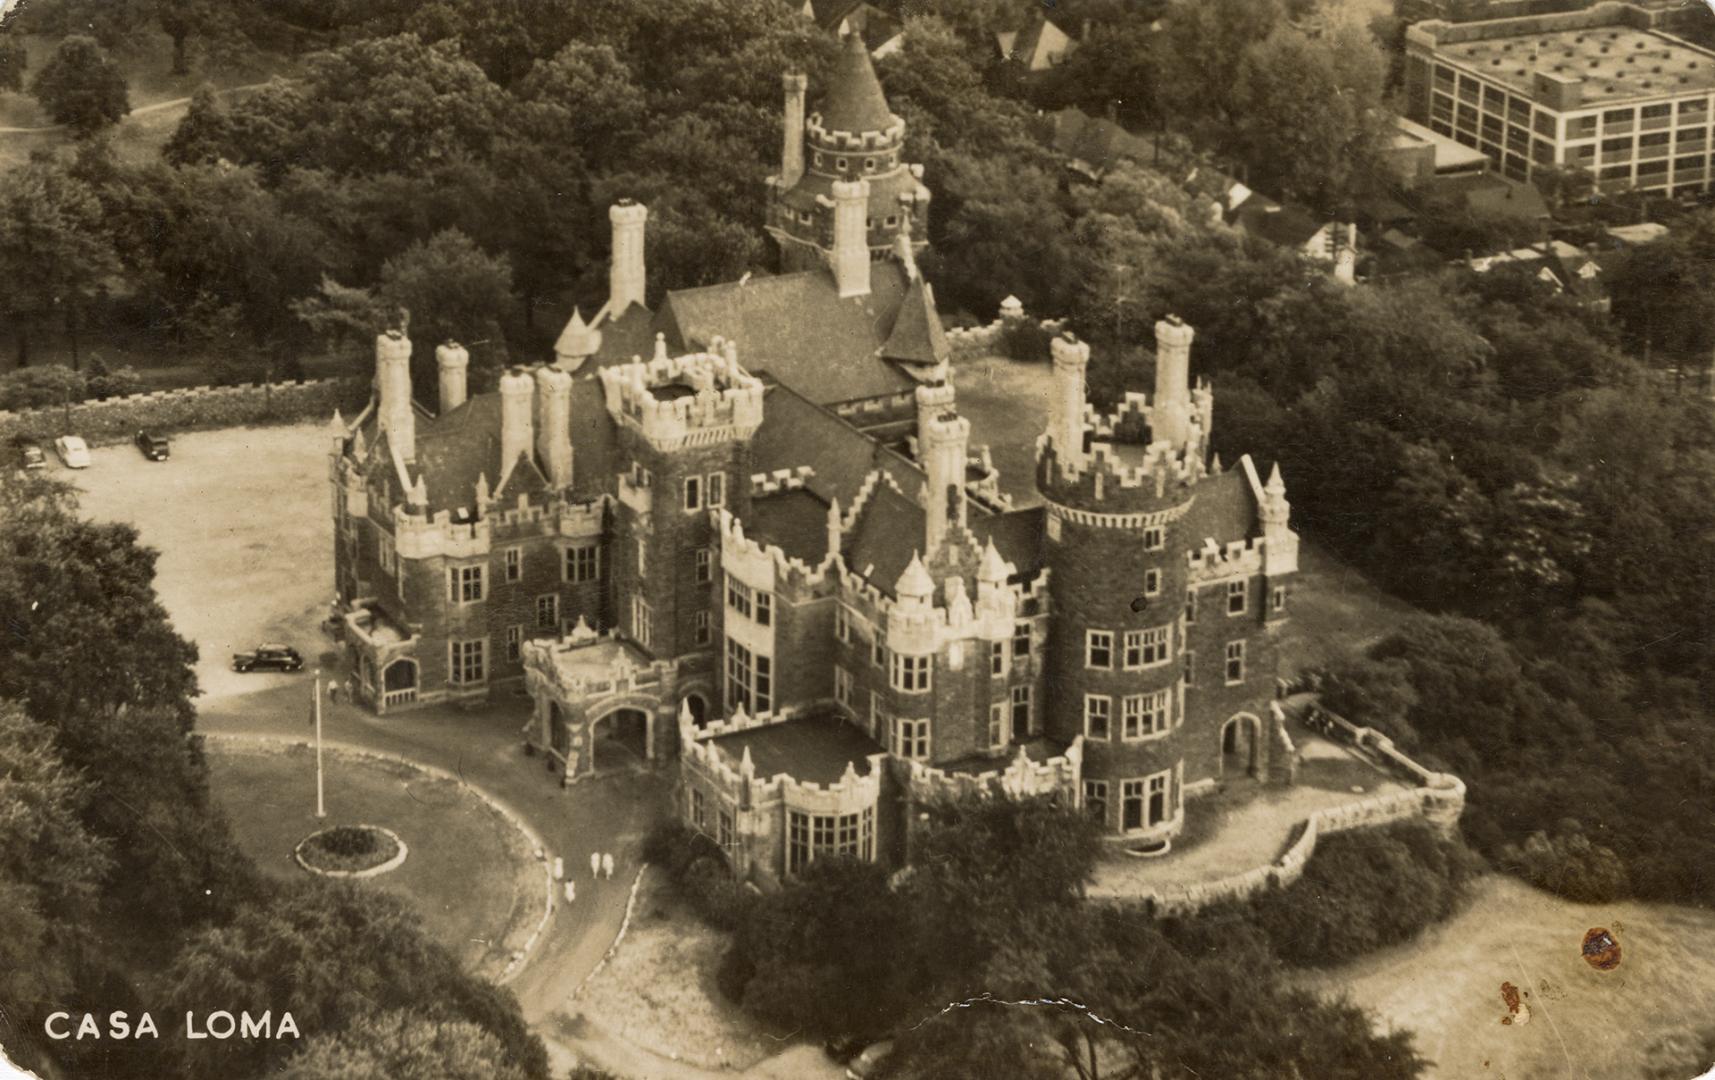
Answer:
(815, 749)
(1017, 535)
(1224, 510)
(1288, 226)
(797, 328)
(631, 334)
(1489, 194)
(886, 535)
(828, 13)
(917, 336)
(854, 101)
(794, 521)
(594, 449)
(455, 449)
(795, 432)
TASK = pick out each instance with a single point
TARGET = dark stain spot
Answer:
(1517, 1011)
(1600, 950)
(1138, 603)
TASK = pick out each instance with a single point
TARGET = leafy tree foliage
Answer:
(13, 63)
(403, 1046)
(81, 88)
(54, 255)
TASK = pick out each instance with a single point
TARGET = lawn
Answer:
(658, 991)
(243, 524)
(1595, 1025)
(471, 874)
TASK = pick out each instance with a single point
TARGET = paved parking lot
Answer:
(242, 521)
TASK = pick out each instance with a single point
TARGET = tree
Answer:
(1658, 289)
(14, 61)
(403, 1045)
(81, 88)
(1203, 51)
(54, 254)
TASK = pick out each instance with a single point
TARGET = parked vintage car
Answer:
(73, 451)
(153, 446)
(30, 455)
(268, 658)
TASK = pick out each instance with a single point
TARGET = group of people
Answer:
(601, 865)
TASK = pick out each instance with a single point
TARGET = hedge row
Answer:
(117, 419)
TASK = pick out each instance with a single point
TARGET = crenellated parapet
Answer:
(765, 566)
(694, 400)
(583, 664)
(700, 751)
(1019, 777)
(889, 138)
(418, 535)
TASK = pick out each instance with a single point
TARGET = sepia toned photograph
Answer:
(857, 540)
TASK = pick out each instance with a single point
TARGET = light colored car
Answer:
(73, 451)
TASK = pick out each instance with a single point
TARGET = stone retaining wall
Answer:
(111, 420)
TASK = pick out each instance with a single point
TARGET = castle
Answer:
(687, 539)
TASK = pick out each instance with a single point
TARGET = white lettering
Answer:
(286, 1024)
(117, 1025)
(146, 1026)
(254, 1028)
(191, 1026)
(88, 1024)
(218, 1019)
(48, 1025)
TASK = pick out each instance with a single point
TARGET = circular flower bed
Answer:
(351, 851)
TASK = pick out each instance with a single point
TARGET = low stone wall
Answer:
(111, 420)
(1438, 798)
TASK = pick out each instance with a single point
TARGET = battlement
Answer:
(693, 400)
(1020, 777)
(780, 480)
(765, 566)
(1118, 478)
(889, 138)
(1239, 558)
(584, 663)
(700, 751)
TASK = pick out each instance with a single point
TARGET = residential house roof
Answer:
(1038, 46)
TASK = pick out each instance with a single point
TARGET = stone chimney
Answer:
(942, 438)
(394, 414)
(851, 237)
(453, 364)
(625, 270)
(1346, 254)
(517, 400)
(1170, 413)
(792, 136)
(554, 424)
(1066, 406)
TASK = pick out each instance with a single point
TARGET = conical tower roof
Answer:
(854, 101)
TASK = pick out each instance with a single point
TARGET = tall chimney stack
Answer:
(453, 364)
(517, 426)
(1170, 413)
(625, 270)
(851, 237)
(1066, 404)
(792, 135)
(942, 440)
(393, 385)
(554, 423)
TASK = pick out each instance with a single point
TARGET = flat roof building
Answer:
(1603, 89)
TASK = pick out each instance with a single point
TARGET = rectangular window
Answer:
(842, 624)
(1021, 641)
(1154, 538)
(1237, 597)
(514, 563)
(701, 626)
(1190, 668)
(911, 738)
(1096, 800)
(1099, 649)
(705, 564)
(1143, 715)
(514, 644)
(548, 612)
(1131, 804)
(723, 829)
(467, 661)
(583, 563)
(997, 658)
(1146, 648)
(642, 559)
(1156, 792)
(1021, 719)
(878, 650)
(997, 724)
(699, 812)
(764, 609)
(716, 492)
(878, 725)
(1152, 582)
(464, 584)
(843, 686)
(910, 673)
(749, 679)
(384, 552)
(812, 835)
(739, 597)
(642, 622)
(693, 493)
(1098, 716)
(1235, 662)
(1190, 605)
(1277, 599)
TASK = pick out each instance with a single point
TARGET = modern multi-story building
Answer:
(1603, 89)
(678, 557)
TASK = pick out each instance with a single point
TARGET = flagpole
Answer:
(321, 810)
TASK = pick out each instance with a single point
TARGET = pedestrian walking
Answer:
(607, 865)
(571, 891)
(559, 868)
(595, 864)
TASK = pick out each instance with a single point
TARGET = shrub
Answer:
(1569, 865)
(348, 840)
(715, 894)
(1024, 339)
(40, 387)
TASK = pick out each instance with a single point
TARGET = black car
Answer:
(30, 455)
(154, 446)
(268, 658)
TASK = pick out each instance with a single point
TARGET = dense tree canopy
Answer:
(80, 87)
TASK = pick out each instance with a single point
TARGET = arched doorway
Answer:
(620, 739)
(1239, 745)
(699, 709)
(399, 683)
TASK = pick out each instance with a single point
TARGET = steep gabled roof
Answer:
(456, 449)
(1017, 535)
(888, 534)
(1225, 509)
(795, 521)
(796, 432)
(917, 336)
(854, 101)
